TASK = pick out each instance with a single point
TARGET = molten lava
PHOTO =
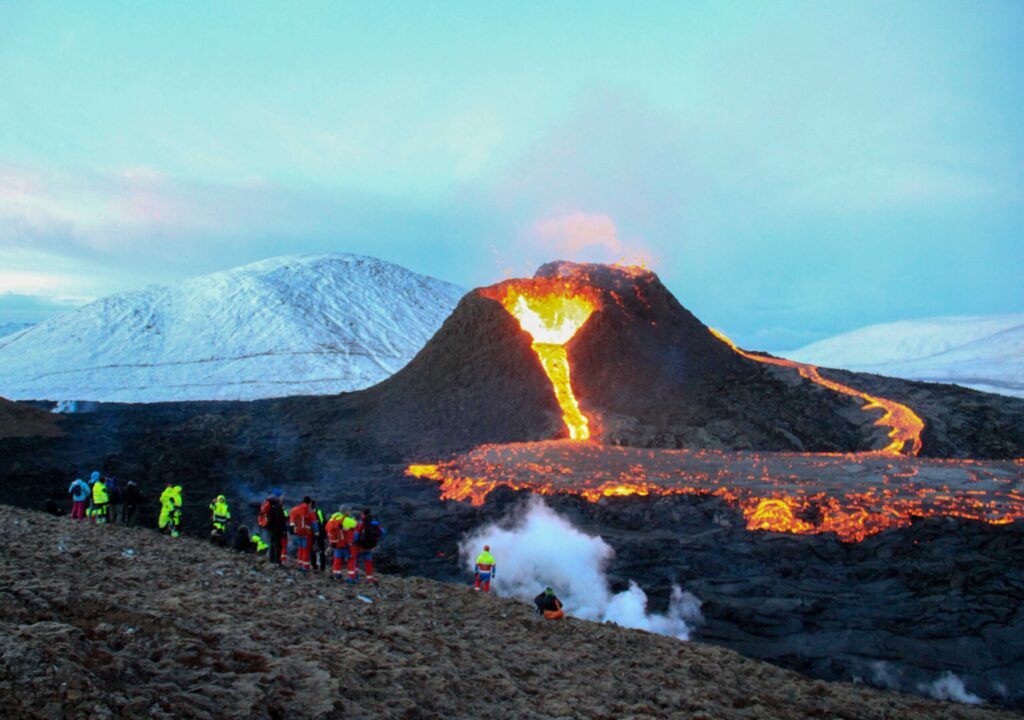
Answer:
(904, 425)
(551, 311)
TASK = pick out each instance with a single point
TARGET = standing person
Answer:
(304, 526)
(80, 494)
(114, 499)
(100, 499)
(318, 553)
(132, 499)
(336, 537)
(549, 605)
(170, 509)
(365, 538)
(220, 515)
(485, 570)
(272, 519)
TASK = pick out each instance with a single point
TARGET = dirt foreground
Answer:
(112, 622)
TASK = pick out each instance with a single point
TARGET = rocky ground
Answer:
(116, 622)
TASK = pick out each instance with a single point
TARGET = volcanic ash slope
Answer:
(298, 325)
(116, 622)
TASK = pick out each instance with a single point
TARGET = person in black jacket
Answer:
(132, 498)
(276, 523)
(549, 605)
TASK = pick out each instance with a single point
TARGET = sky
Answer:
(790, 170)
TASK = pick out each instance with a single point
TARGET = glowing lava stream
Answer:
(905, 426)
(552, 313)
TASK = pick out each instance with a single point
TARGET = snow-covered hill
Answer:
(984, 352)
(298, 325)
(12, 327)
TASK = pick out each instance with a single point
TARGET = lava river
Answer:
(853, 495)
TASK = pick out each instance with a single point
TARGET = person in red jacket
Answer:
(304, 526)
(340, 529)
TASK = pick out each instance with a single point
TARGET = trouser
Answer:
(341, 556)
(318, 554)
(113, 513)
(303, 545)
(353, 562)
(284, 549)
(554, 614)
(482, 582)
(78, 510)
(276, 552)
(131, 515)
(99, 513)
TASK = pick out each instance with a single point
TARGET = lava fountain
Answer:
(551, 311)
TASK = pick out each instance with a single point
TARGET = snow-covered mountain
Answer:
(984, 352)
(297, 325)
(12, 327)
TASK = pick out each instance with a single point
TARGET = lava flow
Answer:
(551, 311)
(904, 425)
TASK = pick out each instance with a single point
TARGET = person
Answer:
(80, 494)
(304, 526)
(100, 499)
(132, 499)
(220, 515)
(318, 553)
(366, 535)
(485, 570)
(170, 510)
(259, 546)
(549, 605)
(114, 499)
(339, 541)
(272, 519)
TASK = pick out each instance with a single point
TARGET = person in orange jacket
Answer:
(340, 529)
(304, 525)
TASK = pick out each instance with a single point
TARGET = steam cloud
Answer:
(950, 687)
(536, 548)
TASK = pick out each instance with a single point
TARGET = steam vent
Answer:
(607, 354)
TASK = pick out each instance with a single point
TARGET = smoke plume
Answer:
(950, 687)
(535, 548)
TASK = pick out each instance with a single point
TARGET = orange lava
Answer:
(904, 425)
(853, 495)
(551, 311)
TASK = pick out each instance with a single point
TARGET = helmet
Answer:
(221, 498)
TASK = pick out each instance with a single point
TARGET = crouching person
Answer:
(549, 605)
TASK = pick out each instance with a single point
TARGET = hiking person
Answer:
(220, 515)
(170, 510)
(80, 493)
(100, 499)
(318, 553)
(339, 537)
(549, 605)
(115, 499)
(485, 570)
(304, 526)
(132, 499)
(272, 519)
(365, 537)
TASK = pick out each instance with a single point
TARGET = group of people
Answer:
(103, 500)
(348, 536)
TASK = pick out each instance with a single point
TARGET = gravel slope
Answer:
(113, 622)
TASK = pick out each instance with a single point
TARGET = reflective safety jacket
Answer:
(485, 563)
(335, 530)
(221, 513)
(170, 498)
(99, 494)
(259, 543)
(303, 520)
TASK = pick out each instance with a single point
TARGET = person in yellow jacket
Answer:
(485, 570)
(220, 515)
(100, 498)
(170, 510)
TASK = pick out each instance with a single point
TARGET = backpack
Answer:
(369, 536)
(264, 517)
